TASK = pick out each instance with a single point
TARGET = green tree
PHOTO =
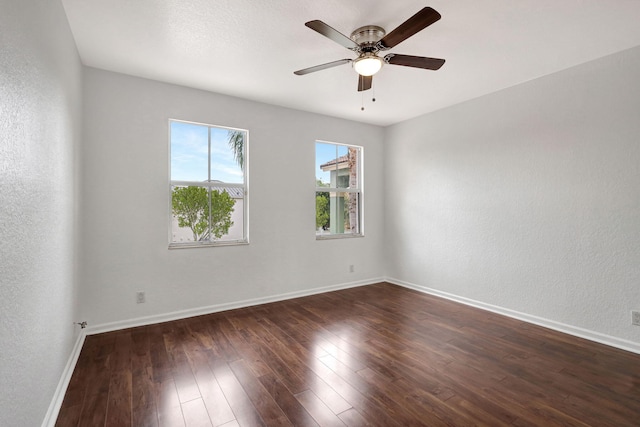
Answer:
(322, 210)
(235, 140)
(221, 209)
(322, 207)
(190, 206)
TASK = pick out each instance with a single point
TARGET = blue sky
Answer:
(325, 153)
(189, 154)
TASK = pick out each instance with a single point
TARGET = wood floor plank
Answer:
(168, 405)
(353, 418)
(69, 415)
(119, 405)
(287, 401)
(94, 410)
(360, 401)
(214, 400)
(391, 403)
(328, 395)
(143, 389)
(281, 359)
(243, 409)
(186, 384)
(195, 414)
(377, 355)
(158, 351)
(264, 403)
(223, 347)
(318, 410)
(302, 357)
(338, 395)
(253, 355)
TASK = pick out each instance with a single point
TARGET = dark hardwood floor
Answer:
(376, 355)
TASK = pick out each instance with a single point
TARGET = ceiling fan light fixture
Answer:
(368, 64)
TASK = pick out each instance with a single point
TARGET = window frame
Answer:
(210, 185)
(359, 191)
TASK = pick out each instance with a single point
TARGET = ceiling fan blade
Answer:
(321, 67)
(411, 26)
(332, 34)
(364, 82)
(414, 61)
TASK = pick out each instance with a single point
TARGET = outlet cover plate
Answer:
(635, 318)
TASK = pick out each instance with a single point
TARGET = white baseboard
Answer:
(199, 311)
(551, 324)
(56, 403)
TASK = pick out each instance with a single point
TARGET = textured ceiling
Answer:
(250, 48)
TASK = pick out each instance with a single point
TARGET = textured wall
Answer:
(527, 199)
(126, 201)
(40, 100)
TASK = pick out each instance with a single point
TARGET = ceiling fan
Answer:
(369, 40)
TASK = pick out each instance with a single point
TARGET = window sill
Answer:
(192, 245)
(337, 236)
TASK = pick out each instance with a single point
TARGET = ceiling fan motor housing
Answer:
(367, 37)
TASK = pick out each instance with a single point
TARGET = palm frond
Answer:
(236, 144)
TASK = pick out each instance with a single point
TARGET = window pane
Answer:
(227, 213)
(202, 214)
(189, 152)
(227, 155)
(347, 167)
(337, 213)
(341, 150)
(337, 166)
(353, 168)
(325, 163)
(190, 213)
(354, 211)
(322, 212)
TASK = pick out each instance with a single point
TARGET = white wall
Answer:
(40, 115)
(126, 205)
(527, 199)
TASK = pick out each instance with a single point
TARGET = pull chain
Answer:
(373, 99)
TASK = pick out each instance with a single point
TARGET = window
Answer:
(338, 190)
(208, 189)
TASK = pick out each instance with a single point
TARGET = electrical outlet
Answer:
(351, 268)
(635, 318)
(140, 298)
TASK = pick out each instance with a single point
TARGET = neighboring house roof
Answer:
(342, 161)
(234, 192)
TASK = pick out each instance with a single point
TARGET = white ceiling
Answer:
(250, 48)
